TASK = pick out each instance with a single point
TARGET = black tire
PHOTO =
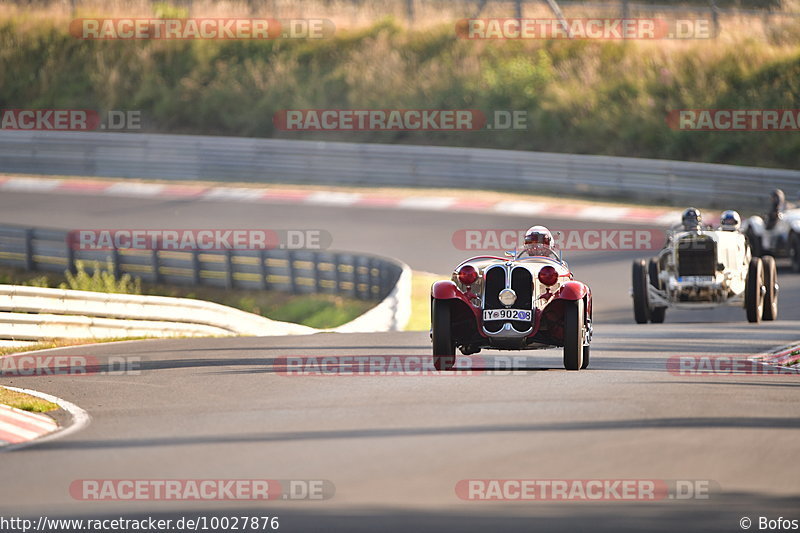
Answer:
(573, 335)
(657, 314)
(444, 350)
(794, 251)
(641, 304)
(755, 243)
(753, 297)
(771, 283)
(585, 363)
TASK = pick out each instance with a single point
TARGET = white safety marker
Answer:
(29, 184)
(134, 189)
(333, 198)
(426, 202)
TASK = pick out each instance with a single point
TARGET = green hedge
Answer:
(581, 97)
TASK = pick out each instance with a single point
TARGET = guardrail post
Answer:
(262, 268)
(156, 263)
(196, 279)
(70, 258)
(29, 262)
(115, 263)
(372, 278)
(317, 275)
(292, 273)
(714, 16)
(229, 268)
(359, 262)
(337, 273)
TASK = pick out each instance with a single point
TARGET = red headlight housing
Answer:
(467, 275)
(548, 275)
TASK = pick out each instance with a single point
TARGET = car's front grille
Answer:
(521, 284)
(495, 282)
(697, 257)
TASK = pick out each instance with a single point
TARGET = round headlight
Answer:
(467, 275)
(548, 275)
(507, 297)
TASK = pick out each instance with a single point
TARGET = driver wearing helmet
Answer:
(730, 221)
(691, 220)
(776, 207)
(539, 242)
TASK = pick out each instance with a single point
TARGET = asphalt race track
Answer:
(395, 446)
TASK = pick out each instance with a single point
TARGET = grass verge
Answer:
(26, 402)
(62, 343)
(421, 300)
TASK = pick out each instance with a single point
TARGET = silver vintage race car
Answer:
(527, 300)
(777, 233)
(703, 268)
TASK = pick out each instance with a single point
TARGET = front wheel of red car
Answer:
(585, 363)
(444, 350)
(573, 335)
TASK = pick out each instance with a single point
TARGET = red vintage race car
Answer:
(527, 300)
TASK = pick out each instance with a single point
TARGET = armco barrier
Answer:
(297, 271)
(29, 313)
(194, 157)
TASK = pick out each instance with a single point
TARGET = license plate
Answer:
(506, 314)
(695, 279)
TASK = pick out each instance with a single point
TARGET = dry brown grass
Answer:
(348, 14)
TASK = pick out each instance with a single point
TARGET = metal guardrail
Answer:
(190, 157)
(32, 313)
(296, 271)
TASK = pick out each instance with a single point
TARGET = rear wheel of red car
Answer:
(573, 335)
(771, 284)
(641, 305)
(444, 350)
(753, 296)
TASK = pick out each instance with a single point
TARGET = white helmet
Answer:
(730, 220)
(538, 241)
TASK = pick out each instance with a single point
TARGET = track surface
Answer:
(395, 447)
